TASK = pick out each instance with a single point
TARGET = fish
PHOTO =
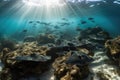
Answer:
(64, 24)
(90, 18)
(24, 31)
(37, 21)
(56, 27)
(83, 22)
(93, 21)
(30, 21)
(65, 19)
(44, 23)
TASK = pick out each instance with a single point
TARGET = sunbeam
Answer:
(50, 3)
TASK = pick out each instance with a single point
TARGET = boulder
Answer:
(113, 49)
(71, 67)
(28, 59)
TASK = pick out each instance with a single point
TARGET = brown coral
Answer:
(113, 49)
(27, 59)
(64, 71)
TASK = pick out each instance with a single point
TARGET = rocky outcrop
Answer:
(28, 59)
(70, 59)
(113, 49)
(72, 66)
(94, 38)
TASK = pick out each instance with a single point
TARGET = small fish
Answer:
(83, 22)
(65, 19)
(24, 31)
(56, 27)
(93, 21)
(30, 21)
(44, 23)
(64, 24)
(37, 21)
(90, 18)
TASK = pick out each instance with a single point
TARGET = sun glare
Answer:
(45, 2)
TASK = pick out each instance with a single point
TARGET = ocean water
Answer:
(22, 18)
(15, 16)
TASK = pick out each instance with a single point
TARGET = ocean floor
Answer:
(102, 68)
(49, 58)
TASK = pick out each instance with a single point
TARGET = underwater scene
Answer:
(59, 39)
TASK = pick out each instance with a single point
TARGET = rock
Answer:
(65, 71)
(94, 38)
(78, 59)
(5, 72)
(32, 57)
(94, 34)
(28, 59)
(102, 76)
(113, 49)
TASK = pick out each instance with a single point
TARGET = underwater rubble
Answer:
(24, 61)
(82, 58)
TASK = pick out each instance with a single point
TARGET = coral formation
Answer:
(94, 38)
(113, 49)
(68, 67)
(70, 59)
(26, 60)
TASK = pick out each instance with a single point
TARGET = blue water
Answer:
(16, 17)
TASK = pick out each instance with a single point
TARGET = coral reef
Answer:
(26, 60)
(70, 59)
(39, 57)
(113, 49)
(72, 66)
(95, 37)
